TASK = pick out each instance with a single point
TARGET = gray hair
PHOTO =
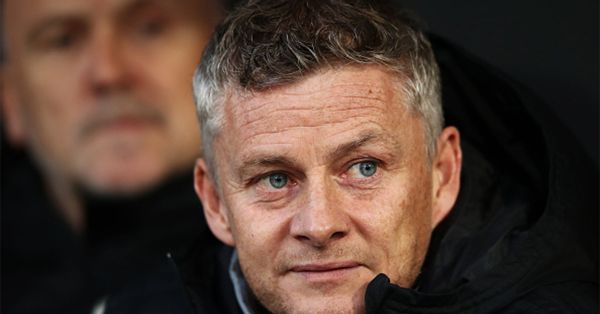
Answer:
(271, 43)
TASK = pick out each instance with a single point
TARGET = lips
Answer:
(127, 123)
(121, 113)
(324, 267)
(323, 272)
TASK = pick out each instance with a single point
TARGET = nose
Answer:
(107, 66)
(322, 220)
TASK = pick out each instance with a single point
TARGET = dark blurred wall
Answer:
(550, 46)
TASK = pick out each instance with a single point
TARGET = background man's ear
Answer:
(446, 165)
(214, 209)
(11, 110)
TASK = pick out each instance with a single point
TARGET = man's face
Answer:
(100, 90)
(324, 184)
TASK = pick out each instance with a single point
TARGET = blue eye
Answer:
(364, 168)
(278, 180)
(367, 168)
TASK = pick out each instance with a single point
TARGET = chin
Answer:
(326, 305)
(123, 178)
(341, 302)
(120, 187)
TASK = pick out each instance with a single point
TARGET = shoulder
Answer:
(159, 291)
(566, 297)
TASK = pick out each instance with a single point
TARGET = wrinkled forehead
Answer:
(325, 95)
(333, 104)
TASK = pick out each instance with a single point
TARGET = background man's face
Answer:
(325, 184)
(100, 89)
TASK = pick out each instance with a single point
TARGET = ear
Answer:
(214, 209)
(446, 165)
(11, 109)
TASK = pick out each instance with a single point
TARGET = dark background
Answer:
(549, 46)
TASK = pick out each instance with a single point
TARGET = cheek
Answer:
(259, 234)
(53, 85)
(257, 246)
(51, 109)
(168, 67)
(413, 233)
(395, 223)
(167, 85)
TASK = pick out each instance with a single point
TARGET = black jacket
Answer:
(47, 268)
(522, 237)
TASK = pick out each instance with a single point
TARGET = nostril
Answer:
(319, 240)
(338, 235)
(302, 238)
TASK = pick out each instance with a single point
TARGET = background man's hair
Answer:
(270, 43)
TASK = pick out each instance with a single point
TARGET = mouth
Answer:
(325, 272)
(120, 124)
(128, 123)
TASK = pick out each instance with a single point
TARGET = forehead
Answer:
(336, 95)
(37, 8)
(21, 15)
(23, 19)
(328, 106)
(23, 11)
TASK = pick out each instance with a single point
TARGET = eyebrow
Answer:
(265, 162)
(79, 17)
(363, 139)
(342, 150)
(40, 27)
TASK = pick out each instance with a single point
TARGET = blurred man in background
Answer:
(100, 139)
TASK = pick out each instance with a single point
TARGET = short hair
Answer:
(270, 43)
